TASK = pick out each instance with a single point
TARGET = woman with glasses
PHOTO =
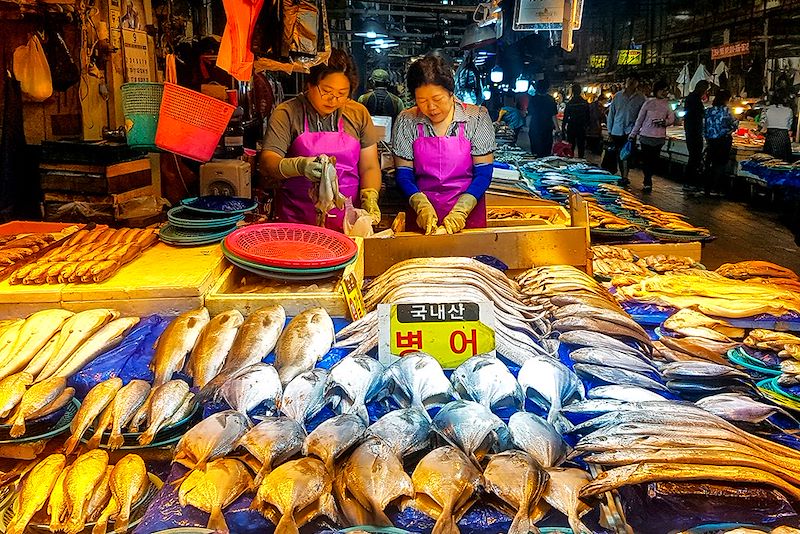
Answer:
(322, 121)
(444, 150)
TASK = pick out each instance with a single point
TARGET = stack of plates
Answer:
(204, 220)
(289, 251)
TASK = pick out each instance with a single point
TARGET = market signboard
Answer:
(532, 15)
(598, 61)
(451, 332)
(629, 57)
(730, 50)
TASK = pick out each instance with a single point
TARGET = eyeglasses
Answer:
(328, 95)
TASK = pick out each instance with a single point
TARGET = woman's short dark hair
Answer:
(430, 70)
(340, 61)
(722, 98)
(576, 90)
(660, 85)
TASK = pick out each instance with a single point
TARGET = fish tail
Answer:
(101, 527)
(379, 517)
(121, 523)
(287, 525)
(115, 441)
(18, 429)
(147, 437)
(94, 441)
(70, 444)
(446, 524)
(217, 521)
(522, 524)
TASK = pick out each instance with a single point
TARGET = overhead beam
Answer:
(426, 6)
(396, 13)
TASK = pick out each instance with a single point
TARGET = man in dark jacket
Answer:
(693, 127)
(379, 101)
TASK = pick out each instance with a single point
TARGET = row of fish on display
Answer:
(38, 354)
(88, 490)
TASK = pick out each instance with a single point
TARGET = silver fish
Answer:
(272, 441)
(211, 438)
(594, 406)
(304, 341)
(127, 401)
(550, 384)
(486, 380)
(538, 438)
(620, 377)
(304, 396)
(586, 338)
(406, 430)
(333, 437)
(252, 386)
(624, 393)
(519, 481)
(419, 382)
(352, 382)
(702, 370)
(163, 402)
(738, 407)
(612, 358)
(472, 428)
(212, 347)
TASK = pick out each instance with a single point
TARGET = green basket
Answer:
(141, 102)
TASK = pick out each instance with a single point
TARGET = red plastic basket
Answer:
(299, 246)
(191, 123)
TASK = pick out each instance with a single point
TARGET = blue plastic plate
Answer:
(221, 205)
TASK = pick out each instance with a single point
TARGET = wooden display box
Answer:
(104, 208)
(543, 216)
(96, 179)
(223, 296)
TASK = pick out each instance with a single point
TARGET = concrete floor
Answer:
(745, 230)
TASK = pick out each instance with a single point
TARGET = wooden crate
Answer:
(546, 216)
(96, 179)
(223, 296)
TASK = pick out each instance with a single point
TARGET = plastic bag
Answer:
(32, 70)
(626, 150)
(357, 222)
(563, 149)
(63, 69)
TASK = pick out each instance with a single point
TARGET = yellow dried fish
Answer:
(36, 398)
(35, 490)
(223, 481)
(86, 473)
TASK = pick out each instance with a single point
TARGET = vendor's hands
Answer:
(309, 167)
(456, 220)
(427, 219)
(369, 202)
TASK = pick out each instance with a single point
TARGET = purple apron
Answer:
(292, 203)
(443, 167)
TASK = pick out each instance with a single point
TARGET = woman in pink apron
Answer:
(322, 121)
(444, 151)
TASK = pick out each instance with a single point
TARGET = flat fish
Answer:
(519, 482)
(211, 438)
(550, 384)
(333, 437)
(486, 380)
(472, 428)
(354, 381)
(406, 430)
(304, 396)
(538, 438)
(214, 489)
(420, 382)
(252, 386)
(304, 341)
(271, 442)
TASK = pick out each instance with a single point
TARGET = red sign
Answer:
(730, 50)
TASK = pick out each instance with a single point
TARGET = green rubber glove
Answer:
(426, 215)
(455, 221)
(309, 167)
(369, 202)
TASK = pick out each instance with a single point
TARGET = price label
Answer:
(451, 332)
(352, 293)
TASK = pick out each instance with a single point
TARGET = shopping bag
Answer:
(626, 150)
(562, 149)
(609, 161)
(32, 71)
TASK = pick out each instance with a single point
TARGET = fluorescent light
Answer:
(487, 94)
(521, 85)
(496, 75)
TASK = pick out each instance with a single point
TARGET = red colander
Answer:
(299, 246)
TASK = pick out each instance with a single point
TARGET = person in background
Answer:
(322, 121)
(542, 110)
(651, 129)
(622, 116)
(512, 116)
(719, 127)
(443, 152)
(693, 128)
(776, 121)
(380, 101)
(597, 117)
(576, 120)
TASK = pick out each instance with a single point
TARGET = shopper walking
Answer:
(621, 118)
(512, 116)
(651, 129)
(776, 121)
(693, 128)
(719, 127)
(379, 101)
(542, 110)
(597, 117)
(576, 120)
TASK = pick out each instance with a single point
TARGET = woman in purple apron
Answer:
(444, 151)
(322, 121)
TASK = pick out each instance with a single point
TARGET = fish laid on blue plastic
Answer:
(472, 428)
(211, 438)
(252, 386)
(354, 381)
(550, 384)
(612, 358)
(406, 430)
(420, 382)
(272, 441)
(624, 393)
(538, 438)
(486, 380)
(613, 375)
(304, 396)
(333, 437)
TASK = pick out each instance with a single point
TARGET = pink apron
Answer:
(292, 201)
(443, 167)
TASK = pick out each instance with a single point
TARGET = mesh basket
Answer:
(191, 123)
(141, 102)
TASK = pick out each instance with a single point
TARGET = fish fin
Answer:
(287, 525)
(121, 523)
(446, 524)
(362, 412)
(217, 521)
(379, 517)
(262, 473)
(70, 444)
(18, 429)
(522, 524)
(115, 441)
(94, 441)
(146, 438)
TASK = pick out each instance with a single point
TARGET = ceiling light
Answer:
(487, 94)
(496, 75)
(371, 30)
(521, 85)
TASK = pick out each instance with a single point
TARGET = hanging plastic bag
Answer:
(357, 222)
(63, 69)
(32, 70)
(625, 151)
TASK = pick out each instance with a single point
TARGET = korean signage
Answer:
(598, 61)
(531, 15)
(629, 57)
(352, 293)
(450, 332)
(730, 50)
